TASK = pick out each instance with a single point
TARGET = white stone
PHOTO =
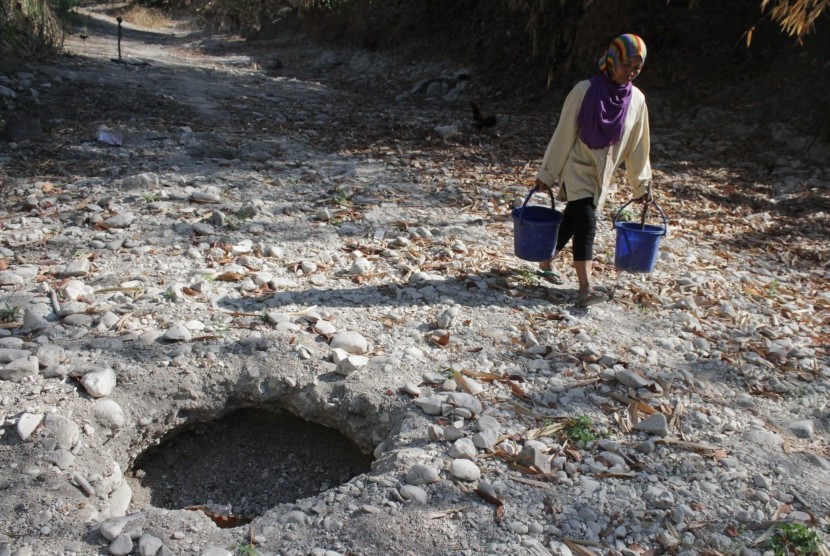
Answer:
(351, 363)
(99, 383)
(420, 474)
(655, 424)
(351, 342)
(27, 423)
(324, 327)
(361, 267)
(119, 500)
(178, 333)
(463, 448)
(465, 470)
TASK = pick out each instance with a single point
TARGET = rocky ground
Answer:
(216, 226)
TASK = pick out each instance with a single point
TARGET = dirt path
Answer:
(272, 200)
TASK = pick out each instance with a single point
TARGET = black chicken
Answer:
(479, 120)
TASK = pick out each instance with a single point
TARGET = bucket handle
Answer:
(527, 199)
(645, 208)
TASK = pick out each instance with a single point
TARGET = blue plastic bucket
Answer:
(638, 243)
(535, 230)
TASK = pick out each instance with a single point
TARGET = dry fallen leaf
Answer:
(230, 277)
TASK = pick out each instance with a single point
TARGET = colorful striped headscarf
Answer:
(601, 117)
(624, 47)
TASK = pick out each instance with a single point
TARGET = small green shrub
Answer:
(795, 539)
(581, 431)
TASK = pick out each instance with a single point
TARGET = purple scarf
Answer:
(602, 115)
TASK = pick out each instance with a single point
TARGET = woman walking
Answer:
(604, 123)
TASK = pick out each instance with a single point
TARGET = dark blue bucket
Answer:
(535, 230)
(638, 243)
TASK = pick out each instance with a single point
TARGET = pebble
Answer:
(656, 424)
(99, 383)
(463, 448)
(414, 493)
(27, 423)
(420, 474)
(77, 268)
(120, 220)
(178, 333)
(465, 470)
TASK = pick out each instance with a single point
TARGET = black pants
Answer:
(580, 223)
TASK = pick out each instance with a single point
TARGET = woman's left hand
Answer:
(647, 198)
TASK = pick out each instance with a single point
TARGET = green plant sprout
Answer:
(581, 431)
(9, 314)
(795, 539)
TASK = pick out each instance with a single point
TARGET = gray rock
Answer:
(109, 413)
(486, 439)
(206, 197)
(77, 268)
(7, 355)
(148, 545)
(802, 429)
(120, 220)
(178, 333)
(655, 424)
(431, 405)
(8, 278)
(631, 379)
(415, 493)
(465, 401)
(50, 354)
(532, 456)
(121, 545)
(20, 369)
(63, 459)
(488, 423)
(140, 182)
(296, 516)
(126, 525)
(420, 474)
(65, 432)
(659, 497)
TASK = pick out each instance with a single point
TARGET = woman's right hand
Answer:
(541, 186)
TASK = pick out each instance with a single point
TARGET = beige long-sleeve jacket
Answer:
(588, 172)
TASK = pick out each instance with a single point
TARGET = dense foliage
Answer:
(29, 28)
